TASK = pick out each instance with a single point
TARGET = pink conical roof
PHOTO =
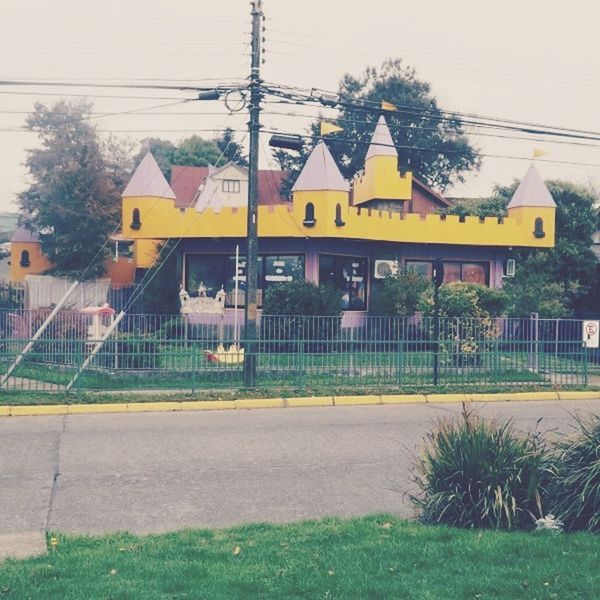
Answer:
(382, 143)
(532, 191)
(320, 173)
(148, 180)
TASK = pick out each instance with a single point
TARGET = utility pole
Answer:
(250, 329)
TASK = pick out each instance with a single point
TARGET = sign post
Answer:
(591, 334)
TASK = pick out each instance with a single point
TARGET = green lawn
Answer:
(177, 367)
(372, 557)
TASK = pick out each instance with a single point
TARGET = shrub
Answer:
(479, 473)
(575, 489)
(62, 341)
(129, 351)
(399, 295)
(290, 316)
(468, 326)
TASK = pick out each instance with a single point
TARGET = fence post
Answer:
(533, 358)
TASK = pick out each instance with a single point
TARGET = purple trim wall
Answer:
(311, 248)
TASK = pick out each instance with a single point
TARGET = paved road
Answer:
(153, 472)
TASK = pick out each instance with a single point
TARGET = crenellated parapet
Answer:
(160, 219)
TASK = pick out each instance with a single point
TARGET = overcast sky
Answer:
(535, 61)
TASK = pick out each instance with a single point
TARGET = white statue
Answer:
(183, 296)
(220, 296)
(202, 289)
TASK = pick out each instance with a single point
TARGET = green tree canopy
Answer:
(194, 151)
(553, 282)
(73, 201)
(430, 142)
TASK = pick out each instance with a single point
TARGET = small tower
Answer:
(321, 194)
(381, 179)
(147, 195)
(533, 207)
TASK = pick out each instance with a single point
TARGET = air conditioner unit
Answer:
(385, 268)
(509, 267)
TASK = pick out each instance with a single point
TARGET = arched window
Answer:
(25, 261)
(135, 219)
(309, 215)
(538, 232)
(338, 216)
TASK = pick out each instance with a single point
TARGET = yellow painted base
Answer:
(27, 411)
(260, 403)
(355, 400)
(153, 406)
(520, 396)
(252, 403)
(579, 395)
(404, 399)
(310, 401)
(501, 397)
(447, 398)
(208, 405)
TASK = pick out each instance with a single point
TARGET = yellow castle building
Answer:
(350, 234)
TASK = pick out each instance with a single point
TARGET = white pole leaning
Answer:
(99, 344)
(37, 334)
(235, 302)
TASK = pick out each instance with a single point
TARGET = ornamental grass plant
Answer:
(479, 473)
(575, 489)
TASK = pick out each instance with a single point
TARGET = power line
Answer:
(441, 151)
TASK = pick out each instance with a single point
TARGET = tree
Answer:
(400, 294)
(430, 142)
(161, 288)
(163, 152)
(73, 201)
(230, 149)
(197, 152)
(553, 282)
(193, 151)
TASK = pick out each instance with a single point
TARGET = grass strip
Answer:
(371, 557)
(36, 398)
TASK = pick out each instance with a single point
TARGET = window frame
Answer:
(367, 275)
(235, 183)
(225, 255)
(461, 262)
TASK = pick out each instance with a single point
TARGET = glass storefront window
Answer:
(469, 272)
(216, 270)
(474, 273)
(347, 274)
(451, 272)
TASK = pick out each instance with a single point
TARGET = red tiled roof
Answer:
(185, 182)
(426, 189)
(269, 184)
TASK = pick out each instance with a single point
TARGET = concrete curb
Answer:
(131, 407)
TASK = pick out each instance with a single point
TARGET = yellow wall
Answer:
(38, 262)
(382, 180)
(161, 219)
(121, 272)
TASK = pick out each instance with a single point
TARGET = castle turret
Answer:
(321, 194)
(147, 196)
(532, 206)
(381, 179)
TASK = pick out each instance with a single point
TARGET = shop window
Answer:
(25, 261)
(338, 216)
(474, 273)
(219, 270)
(538, 232)
(347, 274)
(469, 272)
(309, 215)
(135, 219)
